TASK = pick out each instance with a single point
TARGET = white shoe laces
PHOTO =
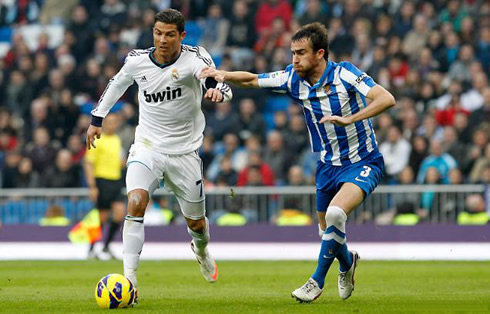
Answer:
(342, 278)
(208, 264)
(309, 286)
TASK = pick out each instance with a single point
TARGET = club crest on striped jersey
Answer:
(326, 88)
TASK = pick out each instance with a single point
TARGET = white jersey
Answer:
(169, 95)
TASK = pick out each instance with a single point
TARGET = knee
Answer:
(335, 215)
(137, 202)
(198, 226)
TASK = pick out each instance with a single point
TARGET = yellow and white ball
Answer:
(114, 291)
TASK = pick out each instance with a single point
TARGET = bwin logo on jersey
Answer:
(168, 94)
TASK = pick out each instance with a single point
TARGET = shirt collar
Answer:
(324, 79)
(163, 65)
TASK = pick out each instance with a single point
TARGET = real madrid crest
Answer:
(175, 75)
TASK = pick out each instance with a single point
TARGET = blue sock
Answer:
(345, 258)
(332, 243)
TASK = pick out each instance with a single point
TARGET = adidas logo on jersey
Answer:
(169, 94)
(143, 79)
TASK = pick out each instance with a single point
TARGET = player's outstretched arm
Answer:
(113, 91)
(381, 101)
(238, 78)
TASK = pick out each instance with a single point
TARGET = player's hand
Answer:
(92, 133)
(340, 121)
(214, 95)
(211, 72)
(93, 193)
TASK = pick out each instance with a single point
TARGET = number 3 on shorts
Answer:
(366, 171)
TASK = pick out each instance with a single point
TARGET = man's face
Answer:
(111, 124)
(393, 135)
(304, 58)
(167, 38)
(486, 96)
(436, 148)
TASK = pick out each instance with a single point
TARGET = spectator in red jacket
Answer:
(445, 117)
(255, 162)
(269, 10)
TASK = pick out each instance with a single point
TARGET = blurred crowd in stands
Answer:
(434, 56)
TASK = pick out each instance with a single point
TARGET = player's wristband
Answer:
(96, 121)
(225, 91)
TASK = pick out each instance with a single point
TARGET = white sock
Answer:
(133, 239)
(336, 216)
(200, 239)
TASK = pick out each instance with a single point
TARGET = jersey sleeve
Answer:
(275, 81)
(355, 79)
(114, 90)
(204, 60)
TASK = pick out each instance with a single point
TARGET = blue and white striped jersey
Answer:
(341, 91)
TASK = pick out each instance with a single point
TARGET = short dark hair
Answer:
(317, 33)
(171, 16)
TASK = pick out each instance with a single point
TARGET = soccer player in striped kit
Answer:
(333, 97)
(168, 135)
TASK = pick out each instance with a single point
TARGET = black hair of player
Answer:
(171, 16)
(317, 33)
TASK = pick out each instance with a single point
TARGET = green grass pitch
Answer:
(248, 287)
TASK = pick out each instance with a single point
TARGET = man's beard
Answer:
(307, 72)
(303, 72)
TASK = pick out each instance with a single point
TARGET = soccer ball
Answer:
(114, 291)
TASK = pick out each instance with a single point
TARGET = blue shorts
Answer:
(366, 174)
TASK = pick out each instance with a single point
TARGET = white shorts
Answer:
(181, 174)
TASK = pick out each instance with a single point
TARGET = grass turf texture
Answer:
(248, 287)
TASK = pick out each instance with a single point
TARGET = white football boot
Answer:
(207, 264)
(134, 301)
(346, 279)
(308, 292)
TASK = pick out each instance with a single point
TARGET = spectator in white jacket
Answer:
(396, 152)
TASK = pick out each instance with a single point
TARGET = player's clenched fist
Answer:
(212, 72)
(214, 95)
(92, 133)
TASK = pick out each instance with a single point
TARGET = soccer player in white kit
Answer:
(168, 135)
